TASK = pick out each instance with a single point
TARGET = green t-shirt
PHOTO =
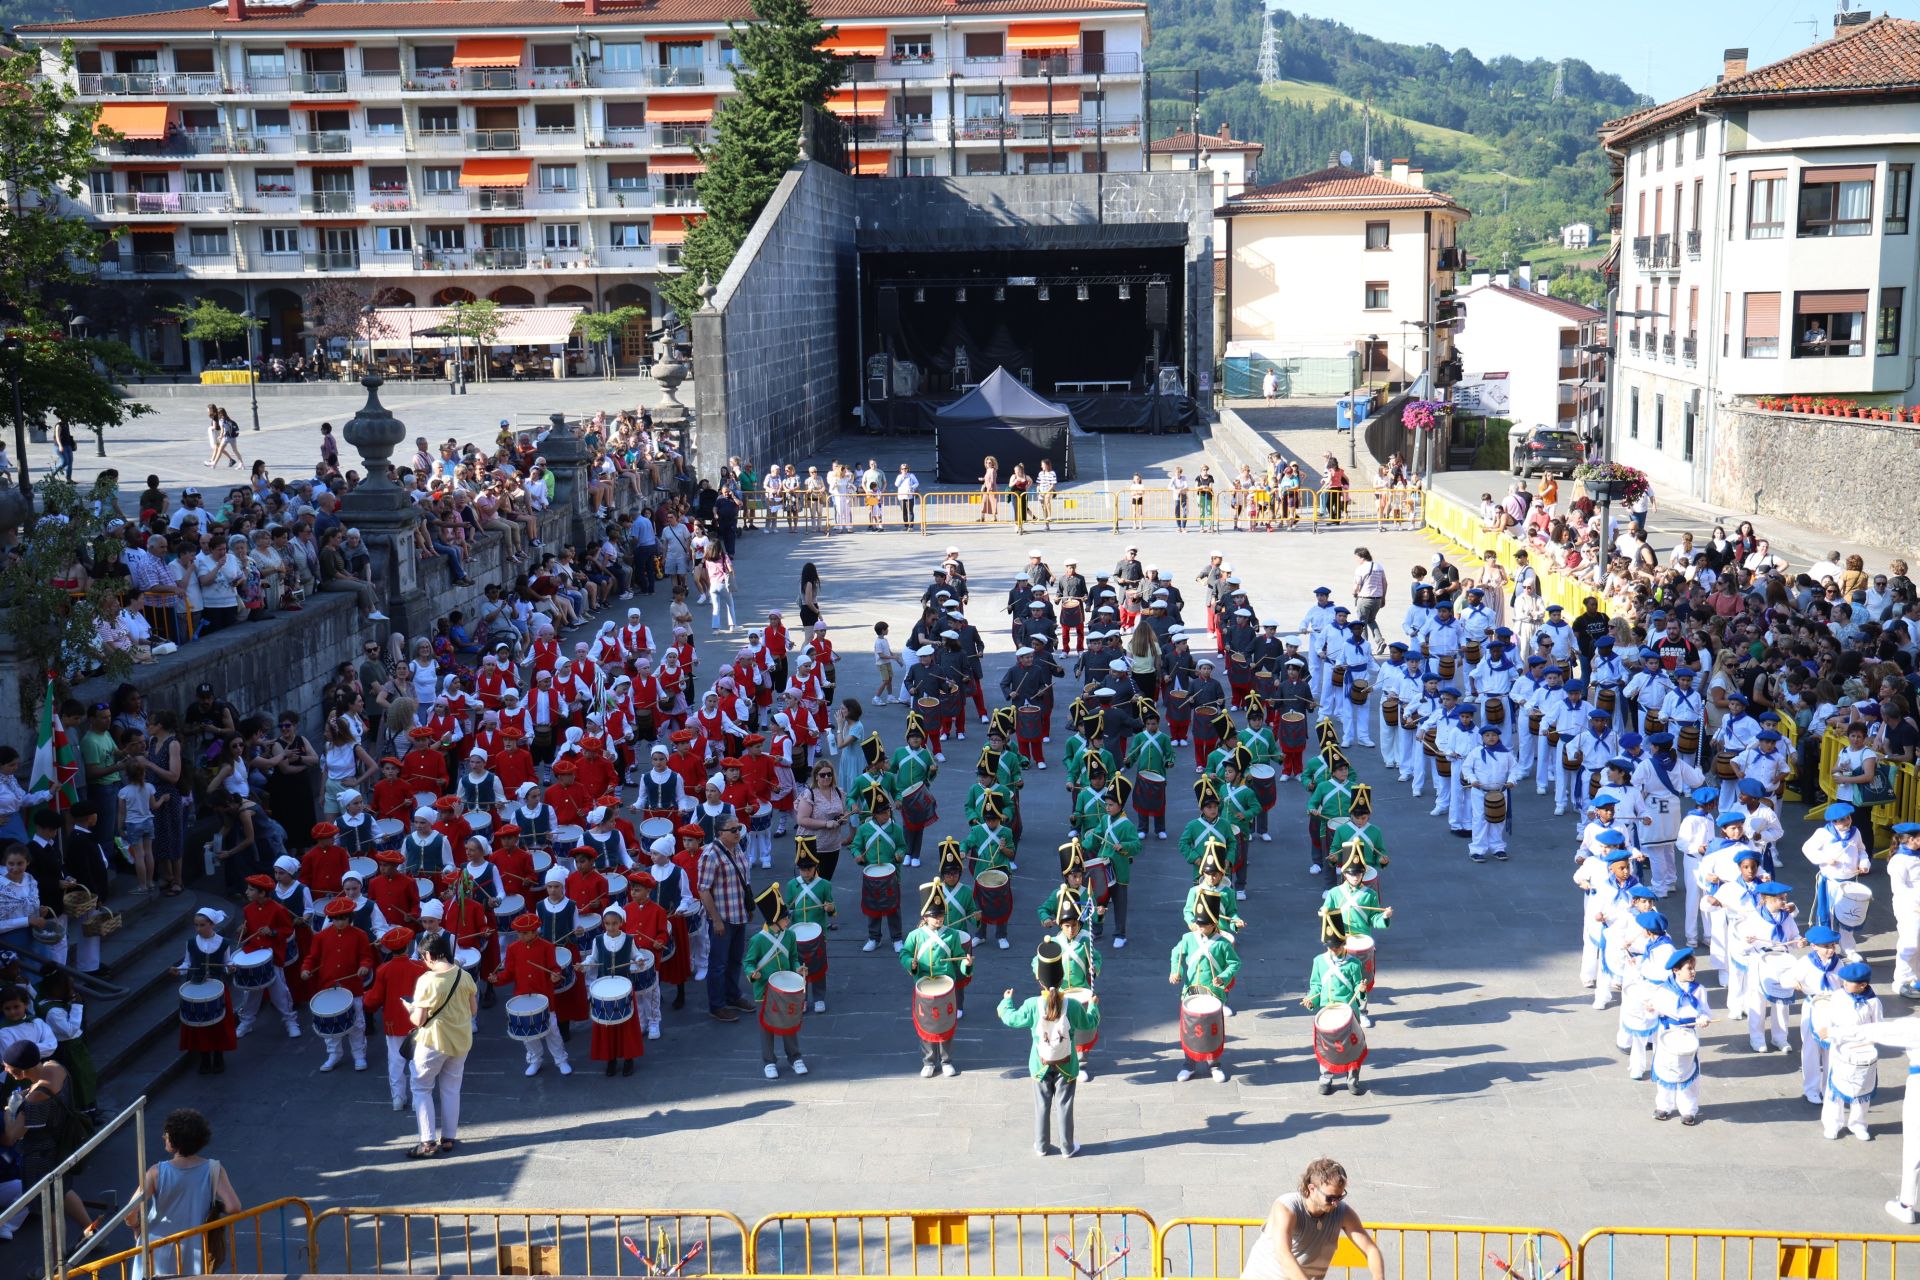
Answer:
(98, 749)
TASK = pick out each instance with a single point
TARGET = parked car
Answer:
(1538, 449)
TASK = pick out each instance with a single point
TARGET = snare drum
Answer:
(528, 1017)
(332, 1011)
(1099, 880)
(1030, 723)
(1203, 1027)
(1150, 793)
(1494, 803)
(1266, 785)
(1776, 975)
(645, 976)
(427, 887)
(1362, 948)
(810, 940)
(610, 1000)
(563, 956)
(468, 958)
(616, 888)
(935, 1009)
(506, 909)
(252, 970)
(1339, 1041)
(783, 1003)
(478, 820)
(879, 890)
(388, 831)
(918, 810)
(1850, 901)
(1083, 1039)
(365, 868)
(541, 861)
(993, 894)
(652, 829)
(204, 1004)
(1676, 1055)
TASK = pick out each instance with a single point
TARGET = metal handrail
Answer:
(51, 1191)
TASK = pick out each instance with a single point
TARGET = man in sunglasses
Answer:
(1304, 1228)
(725, 886)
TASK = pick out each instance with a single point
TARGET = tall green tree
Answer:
(207, 321)
(756, 136)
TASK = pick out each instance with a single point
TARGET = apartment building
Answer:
(1769, 241)
(1544, 346)
(249, 149)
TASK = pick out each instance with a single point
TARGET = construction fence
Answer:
(286, 1237)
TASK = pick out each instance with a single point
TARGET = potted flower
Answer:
(1611, 480)
(1422, 415)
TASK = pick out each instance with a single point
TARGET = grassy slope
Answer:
(1318, 95)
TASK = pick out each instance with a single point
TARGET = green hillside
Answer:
(1301, 93)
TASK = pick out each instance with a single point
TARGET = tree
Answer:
(756, 136)
(1584, 287)
(332, 308)
(54, 629)
(477, 324)
(601, 328)
(208, 321)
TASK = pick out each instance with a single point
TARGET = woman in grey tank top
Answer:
(1311, 1222)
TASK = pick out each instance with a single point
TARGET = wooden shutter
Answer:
(1763, 316)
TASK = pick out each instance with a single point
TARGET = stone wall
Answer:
(1850, 478)
(769, 376)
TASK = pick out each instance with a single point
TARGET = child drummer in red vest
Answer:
(531, 966)
(390, 995)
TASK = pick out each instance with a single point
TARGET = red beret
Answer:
(263, 883)
(339, 907)
(527, 922)
(325, 831)
(507, 829)
(396, 938)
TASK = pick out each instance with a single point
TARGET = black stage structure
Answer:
(1094, 323)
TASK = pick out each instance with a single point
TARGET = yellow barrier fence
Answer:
(1637, 1253)
(1119, 509)
(1460, 525)
(452, 1241)
(266, 1239)
(954, 1242)
(1207, 1248)
(1904, 807)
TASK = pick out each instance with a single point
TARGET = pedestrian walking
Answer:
(445, 1005)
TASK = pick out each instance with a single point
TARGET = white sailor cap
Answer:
(433, 909)
(555, 875)
(424, 814)
(1023, 651)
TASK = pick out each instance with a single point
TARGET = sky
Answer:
(1657, 46)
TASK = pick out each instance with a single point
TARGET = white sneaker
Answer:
(701, 976)
(799, 1066)
(1266, 837)
(1086, 1076)
(376, 616)
(948, 1069)
(653, 1031)
(871, 944)
(566, 1068)
(1119, 942)
(959, 1014)
(1004, 944)
(1163, 835)
(533, 1068)
(1042, 766)
(359, 1064)
(239, 1032)
(1861, 1132)
(819, 1006)
(772, 1072)
(1900, 1212)
(293, 1031)
(961, 736)
(1313, 870)
(400, 1106)
(1186, 1074)
(927, 1072)
(939, 755)
(1219, 1076)
(983, 719)
(898, 947)
(333, 1060)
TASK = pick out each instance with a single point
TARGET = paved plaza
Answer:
(1496, 1095)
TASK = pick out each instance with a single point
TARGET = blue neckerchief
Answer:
(1660, 771)
(1498, 748)
(1862, 998)
(1777, 924)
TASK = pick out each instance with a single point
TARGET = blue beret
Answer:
(1821, 936)
(1660, 739)
(1598, 714)
(1751, 787)
(1535, 660)
(1906, 828)
(1620, 762)
(1340, 608)
(1444, 604)
(1647, 652)
(1684, 671)
(1604, 642)
(1643, 891)
(1745, 852)
(1839, 809)
(1606, 800)
(1733, 816)
(1858, 971)
(1398, 646)
(1447, 688)
(1617, 855)
(1651, 921)
(1701, 795)
(1629, 740)
(1767, 717)
(1552, 670)
(1475, 591)
(1464, 712)
(1736, 696)
(1323, 591)
(1612, 839)
(1658, 613)
(1769, 735)
(1774, 889)
(1679, 958)
(1576, 685)
(1505, 633)
(1429, 674)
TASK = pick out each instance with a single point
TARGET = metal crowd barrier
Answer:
(1207, 1248)
(1460, 525)
(258, 1241)
(1119, 509)
(1648, 1253)
(485, 1242)
(955, 1242)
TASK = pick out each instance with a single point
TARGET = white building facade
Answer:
(1540, 343)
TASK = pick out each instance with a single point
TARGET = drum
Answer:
(1099, 879)
(506, 909)
(427, 887)
(1655, 723)
(935, 1009)
(1676, 1054)
(424, 799)
(929, 708)
(1203, 1027)
(1448, 663)
(1723, 766)
(645, 975)
(993, 894)
(1819, 1016)
(388, 831)
(1428, 737)
(1150, 793)
(617, 888)
(1082, 1040)
(1850, 1068)
(541, 861)
(468, 958)
(1362, 948)
(917, 808)
(204, 1004)
(953, 706)
(565, 838)
(1850, 900)
(1265, 783)
(1494, 803)
(365, 868)
(1572, 758)
(1030, 723)
(478, 819)
(1359, 691)
(563, 956)
(1339, 1041)
(1290, 731)
(1636, 1007)
(1776, 975)
(610, 1000)
(1470, 650)
(1534, 718)
(1339, 677)
(1593, 786)
(879, 891)
(652, 829)
(1390, 711)
(1687, 740)
(1494, 710)
(1442, 765)
(332, 1012)
(1606, 698)
(528, 1017)
(811, 942)
(252, 970)
(785, 1000)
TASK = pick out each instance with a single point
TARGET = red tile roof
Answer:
(493, 15)
(1183, 141)
(1875, 57)
(1336, 189)
(1562, 307)
(1650, 119)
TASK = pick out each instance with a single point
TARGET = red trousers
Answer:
(1030, 749)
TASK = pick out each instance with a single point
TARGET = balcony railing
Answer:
(995, 67)
(318, 82)
(336, 260)
(1693, 244)
(1641, 246)
(639, 197)
(676, 197)
(1633, 340)
(1662, 252)
(151, 264)
(1666, 345)
(330, 142)
(137, 203)
(555, 135)
(676, 77)
(178, 142)
(496, 197)
(1079, 64)
(490, 79)
(493, 139)
(327, 201)
(148, 84)
(500, 259)
(1689, 348)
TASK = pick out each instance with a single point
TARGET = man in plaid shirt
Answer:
(723, 882)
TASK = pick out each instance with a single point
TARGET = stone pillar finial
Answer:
(706, 292)
(374, 432)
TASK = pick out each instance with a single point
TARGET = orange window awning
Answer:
(154, 229)
(849, 102)
(495, 171)
(134, 119)
(672, 228)
(865, 42)
(695, 108)
(325, 104)
(870, 165)
(488, 51)
(1033, 100)
(677, 164)
(1043, 35)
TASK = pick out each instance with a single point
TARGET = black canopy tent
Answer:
(1001, 417)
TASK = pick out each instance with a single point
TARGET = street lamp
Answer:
(1610, 348)
(253, 374)
(1353, 457)
(16, 362)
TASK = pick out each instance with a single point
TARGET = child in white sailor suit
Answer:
(1463, 742)
(1647, 688)
(1416, 714)
(1620, 935)
(1816, 973)
(1597, 744)
(1570, 784)
(1604, 881)
(1762, 830)
(1550, 699)
(1903, 883)
(1684, 707)
(1736, 733)
(1446, 723)
(1691, 841)
(1355, 652)
(1903, 1035)
(1648, 957)
(1727, 877)
(1768, 928)
(1487, 770)
(1396, 680)
(1527, 682)
(1850, 1088)
(1661, 783)
(1609, 673)
(1680, 1004)
(1837, 850)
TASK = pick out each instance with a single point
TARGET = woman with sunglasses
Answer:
(820, 811)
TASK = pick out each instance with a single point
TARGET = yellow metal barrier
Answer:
(953, 1242)
(260, 1241)
(1460, 525)
(451, 1241)
(1645, 1253)
(225, 377)
(1206, 1248)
